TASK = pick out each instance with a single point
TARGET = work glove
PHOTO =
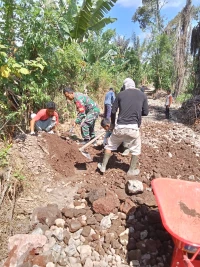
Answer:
(32, 133)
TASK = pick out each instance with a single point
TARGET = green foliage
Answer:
(4, 156)
(91, 16)
(159, 64)
(148, 15)
(183, 97)
(19, 176)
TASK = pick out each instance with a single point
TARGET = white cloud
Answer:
(129, 3)
(168, 3)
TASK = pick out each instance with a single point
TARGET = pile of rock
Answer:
(100, 228)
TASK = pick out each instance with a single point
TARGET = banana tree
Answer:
(91, 16)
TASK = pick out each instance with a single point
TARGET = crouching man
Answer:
(45, 120)
(132, 105)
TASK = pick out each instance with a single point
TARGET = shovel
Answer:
(71, 130)
(86, 154)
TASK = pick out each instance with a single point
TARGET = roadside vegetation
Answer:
(46, 45)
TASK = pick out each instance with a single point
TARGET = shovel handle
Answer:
(91, 141)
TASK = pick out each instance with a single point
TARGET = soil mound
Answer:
(191, 112)
(63, 154)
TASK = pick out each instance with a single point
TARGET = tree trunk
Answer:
(182, 47)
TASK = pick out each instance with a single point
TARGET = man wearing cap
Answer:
(88, 112)
(132, 104)
(45, 120)
(108, 102)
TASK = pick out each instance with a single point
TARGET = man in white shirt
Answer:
(168, 102)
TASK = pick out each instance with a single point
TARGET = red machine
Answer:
(179, 205)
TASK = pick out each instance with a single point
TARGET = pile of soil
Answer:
(63, 154)
(191, 110)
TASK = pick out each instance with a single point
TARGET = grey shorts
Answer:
(130, 137)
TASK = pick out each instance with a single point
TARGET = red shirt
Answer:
(42, 115)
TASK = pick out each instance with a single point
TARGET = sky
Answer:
(125, 9)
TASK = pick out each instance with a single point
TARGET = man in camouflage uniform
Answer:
(88, 112)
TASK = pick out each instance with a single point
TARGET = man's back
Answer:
(132, 104)
(109, 98)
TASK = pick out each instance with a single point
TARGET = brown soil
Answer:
(54, 168)
(63, 154)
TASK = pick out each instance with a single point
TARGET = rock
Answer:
(149, 199)
(134, 255)
(121, 194)
(86, 231)
(72, 260)
(58, 233)
(96, 255)
(68, 213)
(131, 244)
(60, 223)
(107, 204)
(74, 226)
(162, 235)
(100, 250)
(85, 252)
(70, 250)
(56, 251)
(66, 236)
(77, 203)
(191, 177)
(19, 247)
(123, 237)
(50, 264)
(135, 263)
(79, 212)
(44, 227)
(128, 206)
(46, 215)
(115, 244)
(143, 234)
(91, 221)
(40, 260)
(96, 194)
(151, 245)
(75, 265)
(63, 260)
(135, 186)
(109, 237)
(170, 154)
(98, 217)
(50, 244)
(88, 263)
(105, 223)
(37, 231)
(77, 234)
(154, 216)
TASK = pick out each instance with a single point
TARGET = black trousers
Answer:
(167, 112)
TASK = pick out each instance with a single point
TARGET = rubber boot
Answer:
(126, 152)
(132, 169)
(102, 166)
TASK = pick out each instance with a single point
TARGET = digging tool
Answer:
(71, 130)
(86, 154)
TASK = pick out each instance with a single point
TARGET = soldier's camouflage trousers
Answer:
(87, 126)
